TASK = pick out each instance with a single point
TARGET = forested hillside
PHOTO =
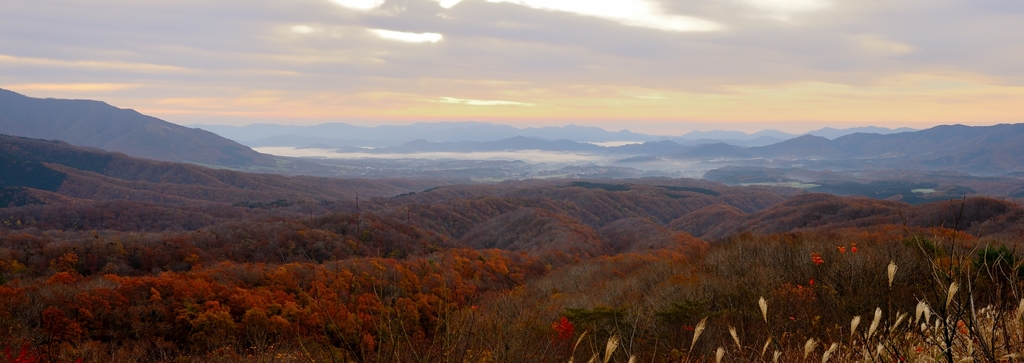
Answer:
(107, 258)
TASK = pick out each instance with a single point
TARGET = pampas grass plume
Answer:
(697, 330)
(613, 344)
(899, 319)
(953, 288)
(577, 345)
(764, 308)
(891, 271)
(828, 353)
(922, 311)
(874, 323)
(809, 347)
(853, 325)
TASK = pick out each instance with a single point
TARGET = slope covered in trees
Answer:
(368, 287)
(131, 260)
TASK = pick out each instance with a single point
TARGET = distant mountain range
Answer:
(989, 150)
(340, 134)
(335, 135)
(100, 125)
(986, 150)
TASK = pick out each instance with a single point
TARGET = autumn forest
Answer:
(108, 258)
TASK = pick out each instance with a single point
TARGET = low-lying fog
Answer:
(529, 156)
(615, 143)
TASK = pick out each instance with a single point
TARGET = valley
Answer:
(501, 249)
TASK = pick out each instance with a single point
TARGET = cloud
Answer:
(482, 102)
(876, 44)
(783, 10)
(303, 29)
(127, 66)
(788, 6)
(447, 3)
(587, 62)
(407, 37)
(361, 5)
(71, 87)
(639, 13)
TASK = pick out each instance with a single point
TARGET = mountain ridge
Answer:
(100, 125)
(93, 174)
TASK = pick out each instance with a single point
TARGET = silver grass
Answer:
(764, 308)
(809, 347)
(953, 288)
(697, 330)
(874, 323)
(578, 340)
(828, 353)
(899, 319)
(853, 325)
(891, 271)
(766, 344)
(613, 344)
(922, 311)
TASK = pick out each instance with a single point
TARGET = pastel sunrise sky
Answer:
(655, 66)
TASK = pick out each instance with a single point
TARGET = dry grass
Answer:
(946, 298)
(957, 332)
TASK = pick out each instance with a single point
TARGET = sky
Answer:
(654, 66)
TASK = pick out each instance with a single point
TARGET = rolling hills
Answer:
(144, 259)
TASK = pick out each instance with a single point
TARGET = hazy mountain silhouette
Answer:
(351, 135)
(803, 147)
(984, 150)
(833, 133)
(100, 125)
(718, 150)
(92, 174)
(997, 149)
(341, 134)
(734, 135)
